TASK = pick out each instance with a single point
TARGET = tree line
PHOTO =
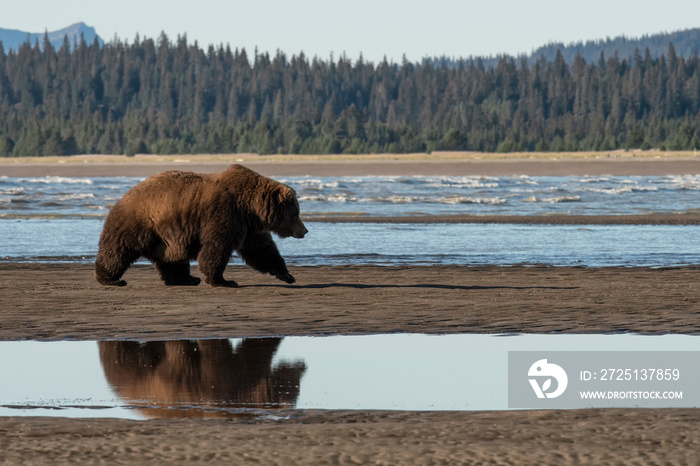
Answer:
(174, 97)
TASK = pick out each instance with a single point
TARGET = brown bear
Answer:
(174, 217)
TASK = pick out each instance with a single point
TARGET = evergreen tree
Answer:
(174, 97)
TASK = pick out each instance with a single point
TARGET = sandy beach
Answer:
(456, 164)
(611, 436)
(63, 301)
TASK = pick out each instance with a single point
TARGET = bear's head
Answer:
(284, 219)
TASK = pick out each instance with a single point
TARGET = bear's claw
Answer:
(223, 283)
(286, 277)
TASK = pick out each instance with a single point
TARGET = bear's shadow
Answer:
(362, 286)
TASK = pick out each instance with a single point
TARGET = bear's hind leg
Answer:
(212, 260)
(176, 273)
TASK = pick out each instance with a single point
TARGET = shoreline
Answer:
(454, 164)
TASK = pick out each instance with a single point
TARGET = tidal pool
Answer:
(260, 377)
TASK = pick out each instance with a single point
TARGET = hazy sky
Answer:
(374, 28)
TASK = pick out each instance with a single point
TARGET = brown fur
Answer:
(174, 217)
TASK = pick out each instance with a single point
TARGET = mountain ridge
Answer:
(12, 39)
(686, 43)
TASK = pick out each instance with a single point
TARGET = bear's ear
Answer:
(284, 194)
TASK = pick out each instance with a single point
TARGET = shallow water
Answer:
(70, 240)
(58, 219)
(260, 377)
(61, 197)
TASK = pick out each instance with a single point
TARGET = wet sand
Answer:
(612, 436)
(58, 301)
(63, 301)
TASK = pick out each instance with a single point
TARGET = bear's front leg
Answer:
(111, 263)
(260, 252)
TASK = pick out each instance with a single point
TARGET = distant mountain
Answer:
(686, 43)
(12, 39)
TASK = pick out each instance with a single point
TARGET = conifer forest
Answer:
(160, 96)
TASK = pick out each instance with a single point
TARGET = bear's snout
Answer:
(300, 231)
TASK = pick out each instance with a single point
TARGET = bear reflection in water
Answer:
(201, 378)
